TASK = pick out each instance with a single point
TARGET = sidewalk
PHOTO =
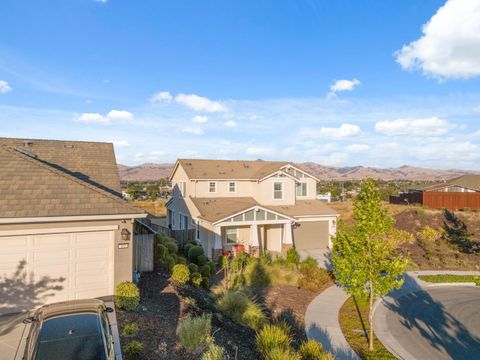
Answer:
(321, 323)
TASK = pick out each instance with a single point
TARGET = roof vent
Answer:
(25, 152)
(68, 146)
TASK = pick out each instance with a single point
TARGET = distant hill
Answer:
(150, 171)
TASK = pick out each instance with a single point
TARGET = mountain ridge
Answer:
(153, 171)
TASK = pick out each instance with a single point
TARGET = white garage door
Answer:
(46, 268)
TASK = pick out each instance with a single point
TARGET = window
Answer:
(301, 189)
(197, 230)
(232, 187)
(172, 218)
(231, 234)
(185, 222)
(212, 187)
(278, 191)
(182, 185)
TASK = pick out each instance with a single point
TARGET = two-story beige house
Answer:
(262, 205)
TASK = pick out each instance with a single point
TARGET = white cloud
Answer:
(230, 123)
(450, 44)
(120, 115)
(342, 85)
(113, 115)
(120, 143)
(344, 131)
(101, 1)
(138, 155)
(259, 151)
(357, 148)
(476, 109)
(199, 103)
(162, 96)
(414, 127)
(4, 87)
(91, 118)
(193, 130)
(200, 119)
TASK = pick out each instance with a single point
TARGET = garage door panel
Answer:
(311, 235)
(57, 267)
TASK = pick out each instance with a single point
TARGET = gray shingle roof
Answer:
(37, 186)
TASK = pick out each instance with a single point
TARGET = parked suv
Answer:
(76, 329)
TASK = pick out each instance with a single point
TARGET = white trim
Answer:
(253, 208)
(278, 172)
(43, 219)
(58, 230)
(300, 182)
(249, 223)
(300, 170)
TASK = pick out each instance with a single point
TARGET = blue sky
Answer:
(375, 83)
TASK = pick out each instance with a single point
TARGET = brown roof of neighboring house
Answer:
(215, 209)
(33, 187)
(229, 169)
(471, 182)
(92, 162)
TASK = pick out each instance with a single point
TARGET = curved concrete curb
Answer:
(321, 323)
(412, 284)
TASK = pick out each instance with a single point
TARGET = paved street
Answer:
(433, 323)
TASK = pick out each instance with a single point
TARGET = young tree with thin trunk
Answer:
(364, 260)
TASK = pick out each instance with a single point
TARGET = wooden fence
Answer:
(451, 200)
(182, 236)
(143, 252)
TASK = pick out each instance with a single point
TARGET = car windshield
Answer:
(76, 336)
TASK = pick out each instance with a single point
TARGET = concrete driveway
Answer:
(433, 323)
(321, 255)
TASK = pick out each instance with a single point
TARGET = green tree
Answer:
(364, 261)
(153, 191)
(134, 191)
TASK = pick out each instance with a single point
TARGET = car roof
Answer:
(69, 307)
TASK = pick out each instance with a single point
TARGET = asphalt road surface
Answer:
(438, 323)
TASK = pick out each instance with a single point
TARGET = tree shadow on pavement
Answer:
(320, 335)
(420, 313)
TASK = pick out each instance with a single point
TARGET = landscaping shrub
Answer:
(187, 247)
(272, 337)
(194, 252)
(214, 352)
(311, 350)
(309, 262)
(201, 260)
(194, 332)
(127, 296)
(292, 257)
(193, 267)
(280, 354)
(238, 281)
(429, 234)
(162, 251)
(196, 279)
(169, 261)
(222, 261)
(130, 329)
(181, 260)
(398, 237)
(205, 270)
(257, 275)
(133, 348)
(212, 267)
(242, 308)
(180, 274)
(206, 282)
(266, 258)
(172, 247)
(313, 278)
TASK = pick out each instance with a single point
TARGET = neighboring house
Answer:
(459, 193)
(65, 232)
(262, 205)
(326, 197)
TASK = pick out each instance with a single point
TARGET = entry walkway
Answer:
(321, 323)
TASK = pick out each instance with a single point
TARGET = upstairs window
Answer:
(301, 189)
(232, 187)
(278, 191)
(212, 187)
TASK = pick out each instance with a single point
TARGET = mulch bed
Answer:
(163, 305)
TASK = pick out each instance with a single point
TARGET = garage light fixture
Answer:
(125, 234)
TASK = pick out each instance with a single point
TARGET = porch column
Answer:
(287, 241)
(217, 243)
(254, 244)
